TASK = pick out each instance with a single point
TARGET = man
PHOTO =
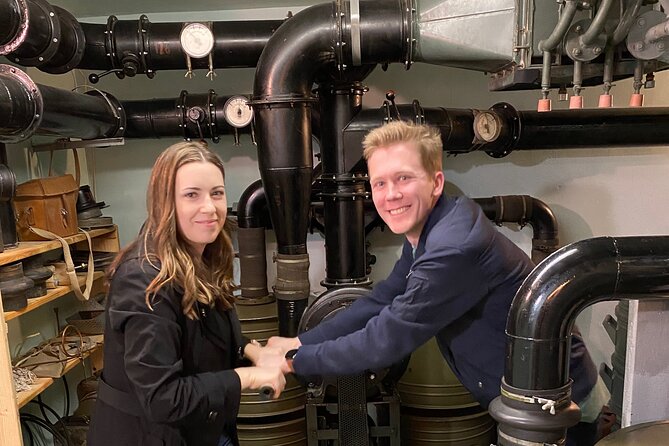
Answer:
(455, 280)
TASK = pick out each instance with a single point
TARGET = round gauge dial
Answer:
(197, 40)
(487, 126)
(238, 113)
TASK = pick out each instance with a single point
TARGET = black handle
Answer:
(266, 393)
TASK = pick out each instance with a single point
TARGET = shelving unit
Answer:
(104, 239)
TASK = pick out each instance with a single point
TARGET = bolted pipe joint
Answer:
(532, 417)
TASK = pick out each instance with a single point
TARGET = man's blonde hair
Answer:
(425, 138)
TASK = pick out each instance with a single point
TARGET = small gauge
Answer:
(487, 126)
(197, 40)
(238, 113)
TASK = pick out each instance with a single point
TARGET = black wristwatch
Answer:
(290, 354)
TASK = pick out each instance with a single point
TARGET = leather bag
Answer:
(49, 204)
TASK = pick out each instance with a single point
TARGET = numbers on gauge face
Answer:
(237, 112)
(197, 40)
(487, 126)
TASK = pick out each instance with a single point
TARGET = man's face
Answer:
(403, 192)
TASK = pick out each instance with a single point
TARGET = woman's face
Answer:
(201, 206)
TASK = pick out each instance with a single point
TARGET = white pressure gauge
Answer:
(238, 113)
(487, 126)
(197, 40)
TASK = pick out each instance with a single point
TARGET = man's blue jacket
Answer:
(457, 286)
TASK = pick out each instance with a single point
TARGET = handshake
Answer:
(270, 364)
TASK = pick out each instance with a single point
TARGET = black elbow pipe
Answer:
(302, 47)
(252, 207)
(523, 209)
(27, 108)
(251, 213)
(542, 316)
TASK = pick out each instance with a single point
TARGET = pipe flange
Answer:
(110, 46)
(181, 107)
(211, 113)
(340, 15)
(117, 110)
(509, 132)
(79, 47)
(636, 39)
(20, 37)
(35, 97)
(418, 112)
(408, 20)
(143, 29)
(287, 100)
(54, 37)
(577, 50)
(356, 48)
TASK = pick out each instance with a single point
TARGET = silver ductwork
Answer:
(447, 32)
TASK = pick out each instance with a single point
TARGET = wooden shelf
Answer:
(28, 249)
(41, 384)
(51, 295)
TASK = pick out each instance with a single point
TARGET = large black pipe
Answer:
(13, 15)
(567, 129)
(523, 209)
(35, 33)
(251, 214)
(542, 316)
(313, 42)
(190, 116)
(27, 108)
(300, 49)
(139, 46)
(343, 193)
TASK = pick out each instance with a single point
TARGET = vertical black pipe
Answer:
(343, 193)
(251, 213)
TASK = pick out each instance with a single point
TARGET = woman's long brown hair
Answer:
(208, 279)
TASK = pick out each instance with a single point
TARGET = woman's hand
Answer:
(256, 378)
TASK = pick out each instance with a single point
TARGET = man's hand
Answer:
(285, 344)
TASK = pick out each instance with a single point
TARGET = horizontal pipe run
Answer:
(572, 129)
(27, 108)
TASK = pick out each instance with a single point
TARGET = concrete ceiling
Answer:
(96, 8)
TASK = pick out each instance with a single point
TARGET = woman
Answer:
(173, 343)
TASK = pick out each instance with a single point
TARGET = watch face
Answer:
(237, 111)
(197, 40)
